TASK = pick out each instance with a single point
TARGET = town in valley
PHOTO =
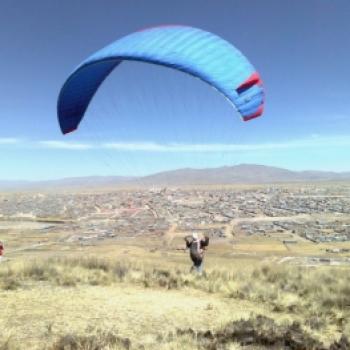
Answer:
(308, 223)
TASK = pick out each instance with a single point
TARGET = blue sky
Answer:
(146, 118)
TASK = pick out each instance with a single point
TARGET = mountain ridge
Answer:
(226, 175)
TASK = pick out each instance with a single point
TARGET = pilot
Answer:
(197, 245)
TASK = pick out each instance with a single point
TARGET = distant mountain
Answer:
(238, 174)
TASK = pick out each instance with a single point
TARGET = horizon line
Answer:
(132, 177)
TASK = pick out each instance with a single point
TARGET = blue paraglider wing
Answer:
(191, 50)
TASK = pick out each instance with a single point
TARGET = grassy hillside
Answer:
(94, 303)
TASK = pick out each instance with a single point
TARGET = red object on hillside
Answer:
(1, 249)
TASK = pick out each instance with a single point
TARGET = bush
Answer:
(10, 283)
(261, 332)
(99, 341)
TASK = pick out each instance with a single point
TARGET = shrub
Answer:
(10, 283)
(98, 341)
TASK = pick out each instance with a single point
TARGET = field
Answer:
(138, 293)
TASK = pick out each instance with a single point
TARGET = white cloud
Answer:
(179, 147)
(65, 145)
(312, 141)
(135, 146)
(316, 141)
(9, 140)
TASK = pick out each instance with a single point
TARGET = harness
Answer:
(199, 249)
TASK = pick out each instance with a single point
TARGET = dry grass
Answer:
(299, 289)
(53, 303)
(99, 340)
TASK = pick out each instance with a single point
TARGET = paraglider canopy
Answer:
(191, 50)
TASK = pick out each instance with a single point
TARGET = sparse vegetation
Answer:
(260, 331)
(60, 294)
(316, 300)
(100, 340)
